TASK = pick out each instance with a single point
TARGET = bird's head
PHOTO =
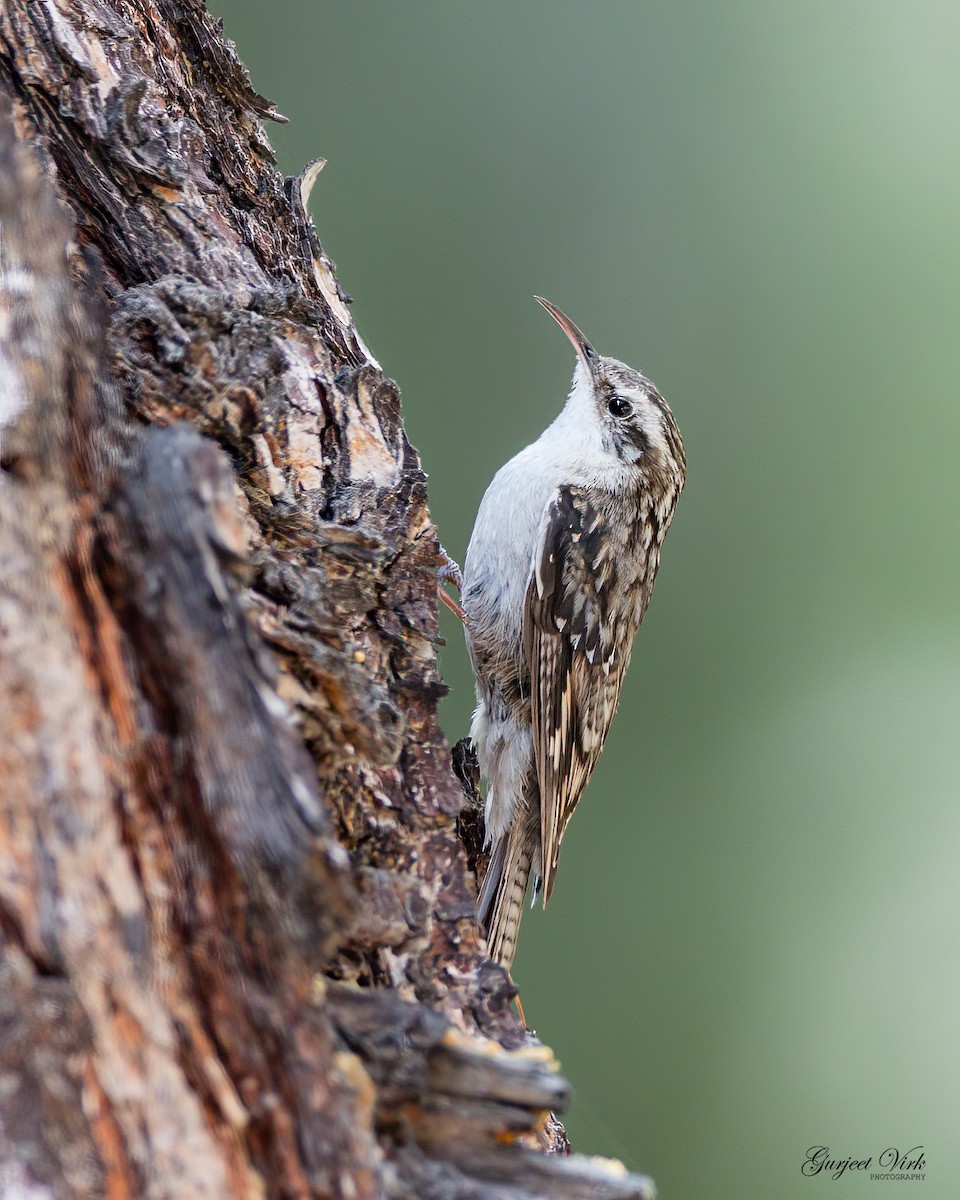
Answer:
(622, 411)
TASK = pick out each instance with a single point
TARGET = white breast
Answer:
(499, 557)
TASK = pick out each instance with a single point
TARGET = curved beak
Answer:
(585, 352)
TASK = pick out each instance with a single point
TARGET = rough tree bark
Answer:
(237, 949)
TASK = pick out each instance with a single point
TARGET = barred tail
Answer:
(500, 906)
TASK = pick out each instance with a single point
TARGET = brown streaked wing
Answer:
(576, 661)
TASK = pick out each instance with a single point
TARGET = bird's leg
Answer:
(449, 572)
(449, 601)
(516, 1000)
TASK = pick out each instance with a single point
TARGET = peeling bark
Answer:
(237, 947)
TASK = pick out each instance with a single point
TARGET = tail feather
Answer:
(500, 906)
(491, 882)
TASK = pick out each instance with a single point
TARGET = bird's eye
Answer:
(618, 407)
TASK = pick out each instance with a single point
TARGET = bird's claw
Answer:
(449, 572)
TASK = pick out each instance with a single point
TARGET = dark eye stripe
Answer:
(639, 439)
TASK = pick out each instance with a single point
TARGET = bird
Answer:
(557, 577)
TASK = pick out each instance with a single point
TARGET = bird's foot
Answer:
(449, 572)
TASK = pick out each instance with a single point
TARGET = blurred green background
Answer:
(753, 945)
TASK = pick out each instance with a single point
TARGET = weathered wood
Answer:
(237, 947)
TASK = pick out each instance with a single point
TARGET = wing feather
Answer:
(576, 655)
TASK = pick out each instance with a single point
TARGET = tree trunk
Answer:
(237, 948)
